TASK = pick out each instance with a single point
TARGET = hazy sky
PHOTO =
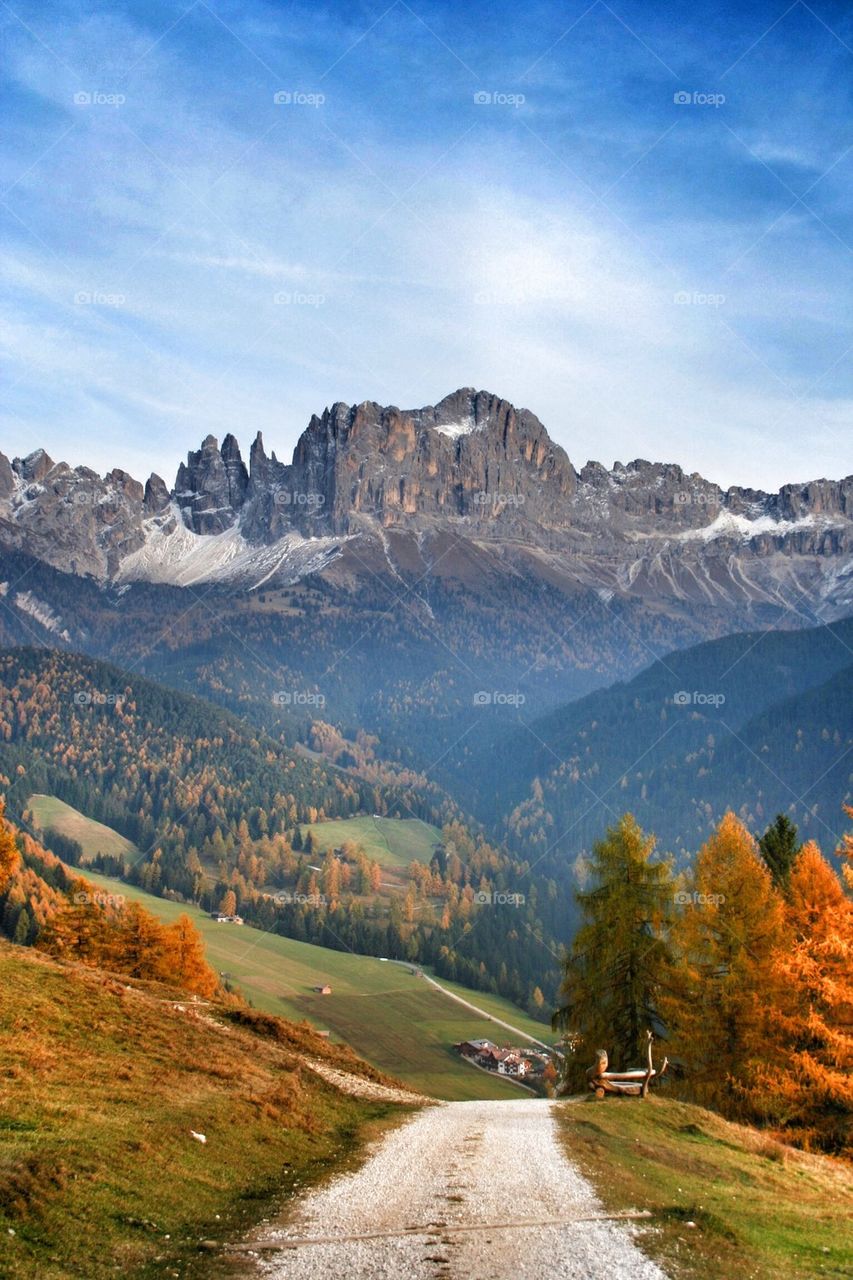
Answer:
(654, 277)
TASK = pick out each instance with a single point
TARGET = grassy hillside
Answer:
(103, 1081)
(392, 842)
(725, 1200)
(51, 814)
(392, 1019)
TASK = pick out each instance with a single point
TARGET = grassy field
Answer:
(392, 1019)
(93, 837)
(725, 1200)
(102, 1082)
(497, 1007)
(392, 842)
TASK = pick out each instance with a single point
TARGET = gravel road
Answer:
(462, 1190)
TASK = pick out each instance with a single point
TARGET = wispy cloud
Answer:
(653, 277)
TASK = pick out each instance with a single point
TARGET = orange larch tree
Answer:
(807, 1086)
(184, 961)
(723, 979)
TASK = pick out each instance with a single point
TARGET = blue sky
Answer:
(644, 233)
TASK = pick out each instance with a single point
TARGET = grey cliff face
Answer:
(211, 486)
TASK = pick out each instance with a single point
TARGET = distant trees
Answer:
(129, 940)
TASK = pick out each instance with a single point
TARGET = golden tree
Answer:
(9, 856)
(726, 936)
(228, 903)
(184, 960)
(140, 949)
(807, 1086)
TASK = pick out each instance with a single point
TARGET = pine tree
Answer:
(22, 929)
(779, 847)
(612, 979)
(718, 998)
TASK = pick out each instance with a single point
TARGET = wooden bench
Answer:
(632, 1084)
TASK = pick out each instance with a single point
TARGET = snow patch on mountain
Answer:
(41, 612)
(175, 555)
(453, 430)
(729, 525)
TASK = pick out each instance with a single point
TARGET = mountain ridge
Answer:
(472, 467)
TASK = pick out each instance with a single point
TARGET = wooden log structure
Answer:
(632, 1084)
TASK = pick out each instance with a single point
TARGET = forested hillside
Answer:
(758, 723)
(216, 807)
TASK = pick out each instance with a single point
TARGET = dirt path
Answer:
(360, 1087)
(462, 1189)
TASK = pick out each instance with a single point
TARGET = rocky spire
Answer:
(211, 486)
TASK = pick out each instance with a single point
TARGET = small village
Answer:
(526, 1064)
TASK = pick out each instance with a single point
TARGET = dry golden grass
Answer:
(102, 1082)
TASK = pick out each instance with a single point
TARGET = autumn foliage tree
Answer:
(9, 856)
(725, 940)
(185, 963)
(130, 940)
(806, 1084)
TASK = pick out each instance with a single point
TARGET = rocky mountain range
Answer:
(467, 486)
(416, 592)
